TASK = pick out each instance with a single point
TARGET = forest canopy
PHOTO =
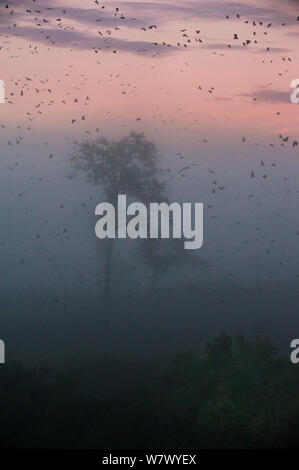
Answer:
(236, 393)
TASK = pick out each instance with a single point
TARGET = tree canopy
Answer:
(237, 393)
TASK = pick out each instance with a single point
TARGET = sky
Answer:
(208, 81)
(56, 53)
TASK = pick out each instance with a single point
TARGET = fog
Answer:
(244, 278)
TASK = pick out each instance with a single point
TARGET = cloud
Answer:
(270, 96)
(224, 47)
(294, 34)
(159, 12)
(207, 9)
(72, 33)
(275, 50)
(83, 26)
(27, 11)
(219, 98)
(221, 47)
(84, 41)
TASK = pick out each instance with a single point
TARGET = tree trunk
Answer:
(107, 295)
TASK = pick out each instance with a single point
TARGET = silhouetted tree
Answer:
(237, 393)
(162, 255)
(126, 166)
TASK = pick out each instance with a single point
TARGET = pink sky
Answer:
(50, 70)
(159, 86)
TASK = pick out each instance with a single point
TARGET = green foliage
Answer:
(238, 393)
